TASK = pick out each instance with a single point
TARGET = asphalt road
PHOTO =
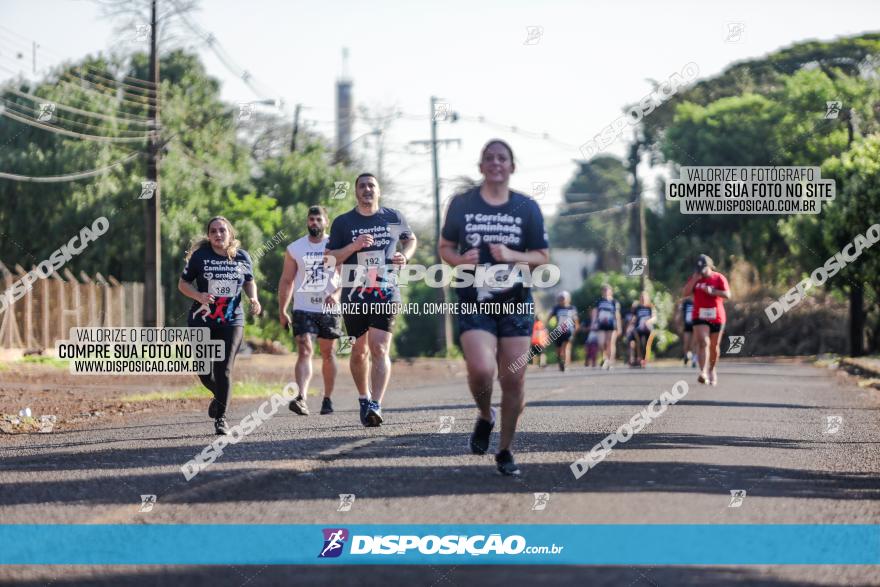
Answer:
(764, 429)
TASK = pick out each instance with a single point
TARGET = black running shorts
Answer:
(713, 326)
(564, 337)
(358, 322)
(327, 326)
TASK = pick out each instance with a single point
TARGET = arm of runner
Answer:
(189, 290)
(285, 289)
(407, 242)
(332, 291)
(447, 244)
(408, 249)
(721, 293)
(250, 288)
(449, 252)
(503, 254)
(340, 255)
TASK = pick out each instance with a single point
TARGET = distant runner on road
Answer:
(605, 320)
(567, 323)
(686, 323)
(709, 289)
(643, 319)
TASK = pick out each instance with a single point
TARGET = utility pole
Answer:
(856, 291)
(295, 128)
(638, 244)
(153, 241)
(34, 56)
(381, 122)
(444, 337)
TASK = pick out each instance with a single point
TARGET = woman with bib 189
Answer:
(221, 270)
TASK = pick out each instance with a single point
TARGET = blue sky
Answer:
(590, 59)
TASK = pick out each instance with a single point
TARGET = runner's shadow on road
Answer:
(614, 402)
(260, 446)
(459, 475)
(249, 449)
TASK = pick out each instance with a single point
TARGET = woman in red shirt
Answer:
(709, 289)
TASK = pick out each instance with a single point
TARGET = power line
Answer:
(206, 167)
(580, 215)
(514, 129)
(217, 48)
(80, 87)
(136, 100)
(61, 106)
(122, 116)
(99, 138)
(22, 110)
(544, 136)
(69, 176)
(30, 42)
(65, 76)
(127, 89)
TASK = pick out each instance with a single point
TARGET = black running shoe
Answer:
(365, 407)
(326, 406)
(505, 463)
(479, 442)
(221, 427)
(374, 414)
(214, 409)
(298, 406)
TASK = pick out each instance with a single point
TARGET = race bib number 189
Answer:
(223, 288)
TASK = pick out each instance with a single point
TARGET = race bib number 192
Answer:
(371, 258)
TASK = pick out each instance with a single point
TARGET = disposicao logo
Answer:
(334, 540)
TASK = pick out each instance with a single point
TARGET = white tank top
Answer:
(312, 282)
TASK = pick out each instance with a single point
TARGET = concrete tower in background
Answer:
(344, 112)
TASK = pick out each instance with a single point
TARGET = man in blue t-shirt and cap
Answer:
(364, 240)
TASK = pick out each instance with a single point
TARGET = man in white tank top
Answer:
(312, 286)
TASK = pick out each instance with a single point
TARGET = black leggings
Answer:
(642, 341)
(219, 381)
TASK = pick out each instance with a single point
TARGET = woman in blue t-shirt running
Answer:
(606, 321)
(217, 271)
(494, 226)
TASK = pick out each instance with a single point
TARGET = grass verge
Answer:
(243, 390)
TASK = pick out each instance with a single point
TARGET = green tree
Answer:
(592, 216)
(856, 207)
